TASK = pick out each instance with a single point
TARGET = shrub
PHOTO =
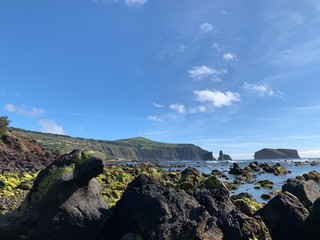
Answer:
(4, 122)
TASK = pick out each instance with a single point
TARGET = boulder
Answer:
(285, 217)
(233, 223)
(253, 166)
(64, 202)
(246, 203)
(236, 170)
(306, 191)
(157, 212)
(190, 178)
(270, 153)
(315, 221)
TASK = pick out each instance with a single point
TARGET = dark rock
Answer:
(208, 156)
(233, 223)
(266, 184)
(306, 191)
(65, 202)
(253, 166)
(156, 212)
(315, 220)
(277, 169)
(313, 175)
(236, 170)
(223, 157)
(285, 217)
(270, 153)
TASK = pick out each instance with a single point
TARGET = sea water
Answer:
(224, 166)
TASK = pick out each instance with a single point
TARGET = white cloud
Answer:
(157, 105)
(50, 126)
(135, 3)
(206, 27)
(23, 110)
(229, 57)
(217, 98)
(262, 90)
(155, 118)
(178, 107)
(200, 72)
(199, 109)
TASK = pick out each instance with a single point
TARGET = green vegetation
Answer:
(4, 123)
(132, 149)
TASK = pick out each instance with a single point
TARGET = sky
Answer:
(231, 75)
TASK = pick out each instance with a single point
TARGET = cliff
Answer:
(270, 153)
(132, 149)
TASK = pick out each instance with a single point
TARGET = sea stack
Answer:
(270, 153)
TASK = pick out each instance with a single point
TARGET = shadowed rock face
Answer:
(285, 217)
(306, 191)
(270, 153)
(157, 212)
(65, 201)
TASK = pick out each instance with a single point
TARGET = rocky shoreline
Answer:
(78, 197)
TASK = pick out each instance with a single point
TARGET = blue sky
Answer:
(235, 75)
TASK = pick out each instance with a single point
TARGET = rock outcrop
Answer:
(224, 157)
(156, 212)
(65, 202)
(285, 217)
(270, 153)
(208, 156)
(306, 191)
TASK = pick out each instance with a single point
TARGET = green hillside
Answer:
(131, 149)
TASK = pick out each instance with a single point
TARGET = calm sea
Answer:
(208, 166)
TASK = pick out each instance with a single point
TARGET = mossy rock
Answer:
(212, 182)
(246, 203)
(266, 184)
(190, 178)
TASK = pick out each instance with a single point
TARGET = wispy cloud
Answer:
(50, 126)
(229, 57)
(216, 98)
(262, 90)
(155, 118)
(217, 46)
(135, 3)
(24, 110)
(206, 27)
(129, 3)
(158, 105)
(199, 109)
(178, 107)
(200, 72)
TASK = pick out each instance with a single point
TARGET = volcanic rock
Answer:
(306, 191)
(65, 202)
(285, 217)
(156, 212)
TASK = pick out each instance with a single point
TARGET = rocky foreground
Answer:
(67, 201)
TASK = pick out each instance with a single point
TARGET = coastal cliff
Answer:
(131, 149)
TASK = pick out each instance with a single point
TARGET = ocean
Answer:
(224, 166)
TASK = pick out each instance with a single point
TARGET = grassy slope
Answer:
(125, 149)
